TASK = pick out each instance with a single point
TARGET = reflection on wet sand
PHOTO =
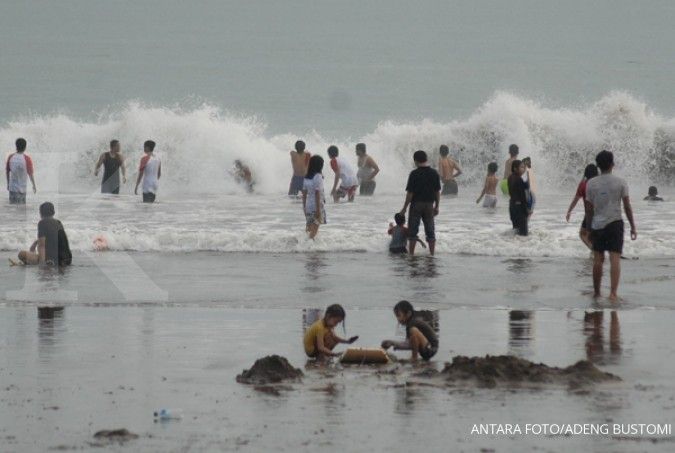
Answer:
(521, 332)
(314, 267)
(50, 324)
(414, 266)
(519, 265)
(595, 343)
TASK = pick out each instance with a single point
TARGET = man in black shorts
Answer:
(423, 196)
(604, 195)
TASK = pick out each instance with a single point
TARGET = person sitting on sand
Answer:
(449, 169)
(344, 175)
(52, 242)
(399, 235)
(652, 194)
(591, 171)
(313, 199)
(513, 153)
(299, 162)
(490, 187)
(320, 339)
(243, 176)
(420, 336)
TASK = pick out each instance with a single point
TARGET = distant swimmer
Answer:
(513, 153)
(420, 337)
(449, 169)
(313, 198)
(399, 235)
(604, 195)
(51, 247)
(590, 172)
(423, 195)
(529, 178)
(653, 194)
(489, 192)
(345, 182)
(320, 338)
(149, 171)
(113, 164)
(518, 203)
(18, 169)
(368, 169)
(243, 175)
(299, 162)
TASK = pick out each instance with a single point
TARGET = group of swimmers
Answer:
(320, 338)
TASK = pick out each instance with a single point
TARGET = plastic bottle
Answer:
(168, 414)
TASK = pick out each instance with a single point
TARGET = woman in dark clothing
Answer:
(518, 204)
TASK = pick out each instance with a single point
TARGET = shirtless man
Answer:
(299, 162)
(513, 153)
(449, 170)
(367, 171)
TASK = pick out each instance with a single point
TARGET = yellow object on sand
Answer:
(365, 356)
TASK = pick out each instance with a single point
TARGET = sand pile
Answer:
(489, 371)
(269, 370)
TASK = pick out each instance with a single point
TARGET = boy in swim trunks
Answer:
(299, 162)
(449, 170)
(490, 187)
(344, 175)
(421, 339)
(368, 169)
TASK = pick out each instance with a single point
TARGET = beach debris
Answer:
(115, 435)
(270, 370)
(489, 371)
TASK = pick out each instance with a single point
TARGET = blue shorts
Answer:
(297, 183)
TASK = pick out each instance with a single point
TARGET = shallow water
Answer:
(98, 368)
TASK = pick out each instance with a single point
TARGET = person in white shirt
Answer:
(313, 199)
(604, 195)
(149, 172)
(18, 169)
(344, 175)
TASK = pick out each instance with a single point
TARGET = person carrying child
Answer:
(399, 235)
(320, 339)
(489, 193)
(420, 337)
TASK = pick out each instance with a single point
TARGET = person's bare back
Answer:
(507, 167)
(299, 162)
(491, 185)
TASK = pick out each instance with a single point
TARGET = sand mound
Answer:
(113, 436)
(269, 370)
(489, 371)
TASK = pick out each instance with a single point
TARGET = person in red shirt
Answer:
(18, 169)
(591, 171)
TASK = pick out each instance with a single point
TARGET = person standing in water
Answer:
(490, 187)
(313, 199)
(113, 164)
(367, 171)
(149, 172)
(590, 172)
(653, 194)
(604, 195)
(518, 209)
(242, 175)
(299, 162)
(529, 178)
(513, 153)
(344, 175)
(449, 170)
(423, 195)
(18, 169)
